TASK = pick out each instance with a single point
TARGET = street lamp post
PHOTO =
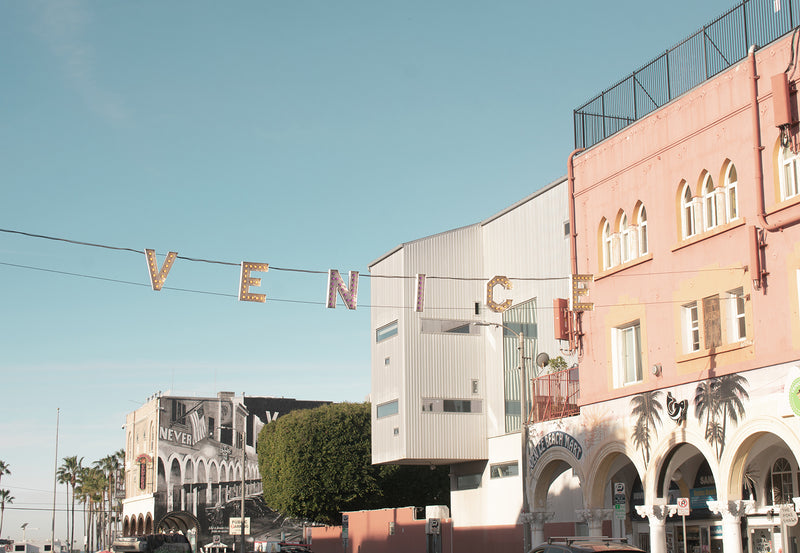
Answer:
(523, 420)
(244, 467)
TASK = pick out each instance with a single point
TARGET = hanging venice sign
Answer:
(348, 291)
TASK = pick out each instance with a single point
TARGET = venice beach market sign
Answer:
(555, 439)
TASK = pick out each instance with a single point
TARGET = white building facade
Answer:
(447, 314)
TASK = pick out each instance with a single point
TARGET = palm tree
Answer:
(720, 400)
(5, 497)
(706, 404)
(109, 466)
(730, 392)
(98, 485)
(647, 409)
(90, 491)
(68, 473)
(4, 469)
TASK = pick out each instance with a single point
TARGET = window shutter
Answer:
(712, 329)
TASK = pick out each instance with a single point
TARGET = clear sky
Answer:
(305, 134)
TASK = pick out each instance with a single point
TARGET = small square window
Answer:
(387, 361)
(504, 470)
(468, 481)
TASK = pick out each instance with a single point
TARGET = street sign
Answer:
(788, 515)
(619, 488)
(683, 506)
(620, 511)
(235, 526)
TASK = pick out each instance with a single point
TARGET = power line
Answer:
(310, 271)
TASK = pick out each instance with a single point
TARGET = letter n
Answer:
(336, 284)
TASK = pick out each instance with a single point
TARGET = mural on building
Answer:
(720, 400)
(647, 409)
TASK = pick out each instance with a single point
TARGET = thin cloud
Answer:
(63, 26)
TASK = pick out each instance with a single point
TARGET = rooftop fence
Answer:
(717, 46)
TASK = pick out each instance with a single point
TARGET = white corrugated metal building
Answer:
(445, 390)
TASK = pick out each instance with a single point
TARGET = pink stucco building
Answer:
(681, 206)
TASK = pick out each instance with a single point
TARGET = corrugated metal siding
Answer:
(439, 365)
(387, 380)
(526, 241)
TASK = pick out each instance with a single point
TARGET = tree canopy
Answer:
(315, 463)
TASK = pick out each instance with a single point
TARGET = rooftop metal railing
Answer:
(717, 46)
(555, 395)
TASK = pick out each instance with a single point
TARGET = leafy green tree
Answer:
(316, 463)
(5, 497)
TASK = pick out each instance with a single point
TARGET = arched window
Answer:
(624, 239)
(780, 480)
(641, 221)
(687, 212)
(709, 204)
(606, 245)
(731, 193)
(788, 161)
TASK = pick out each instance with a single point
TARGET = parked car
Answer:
(588, 544)
(152, 543)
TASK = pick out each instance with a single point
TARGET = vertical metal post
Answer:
(55, 482)
(744, 26)
(603, 111)
(244, 461)
(523, 420)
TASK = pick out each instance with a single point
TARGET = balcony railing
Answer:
(554, 396)
(717, 46)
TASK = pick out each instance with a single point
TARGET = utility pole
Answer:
(244, 467)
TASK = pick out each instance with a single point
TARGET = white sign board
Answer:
(235, 526)
(683, 506)
(788, 515)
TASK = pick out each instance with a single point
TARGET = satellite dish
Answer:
(542, 359)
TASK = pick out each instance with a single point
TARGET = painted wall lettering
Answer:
(554, 439)
(176, 436)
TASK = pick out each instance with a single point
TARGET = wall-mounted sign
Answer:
(555, 439)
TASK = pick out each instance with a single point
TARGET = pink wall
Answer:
(369, 533)
(702, 131)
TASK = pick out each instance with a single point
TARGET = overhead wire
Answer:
(311, 271)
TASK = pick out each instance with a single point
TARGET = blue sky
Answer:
(304, 134)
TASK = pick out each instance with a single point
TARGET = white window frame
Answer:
(788, 174)
(641, 222)
(731, 193)
(624, 239)
(690, 323)
(737, 323)
(386, 331)
(710, 215)
(607, 260)
(627, 348)
(387, 409)
(687, 212)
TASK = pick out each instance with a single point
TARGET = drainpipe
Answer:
(573, 249)
(574, 327)
(757, 149)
